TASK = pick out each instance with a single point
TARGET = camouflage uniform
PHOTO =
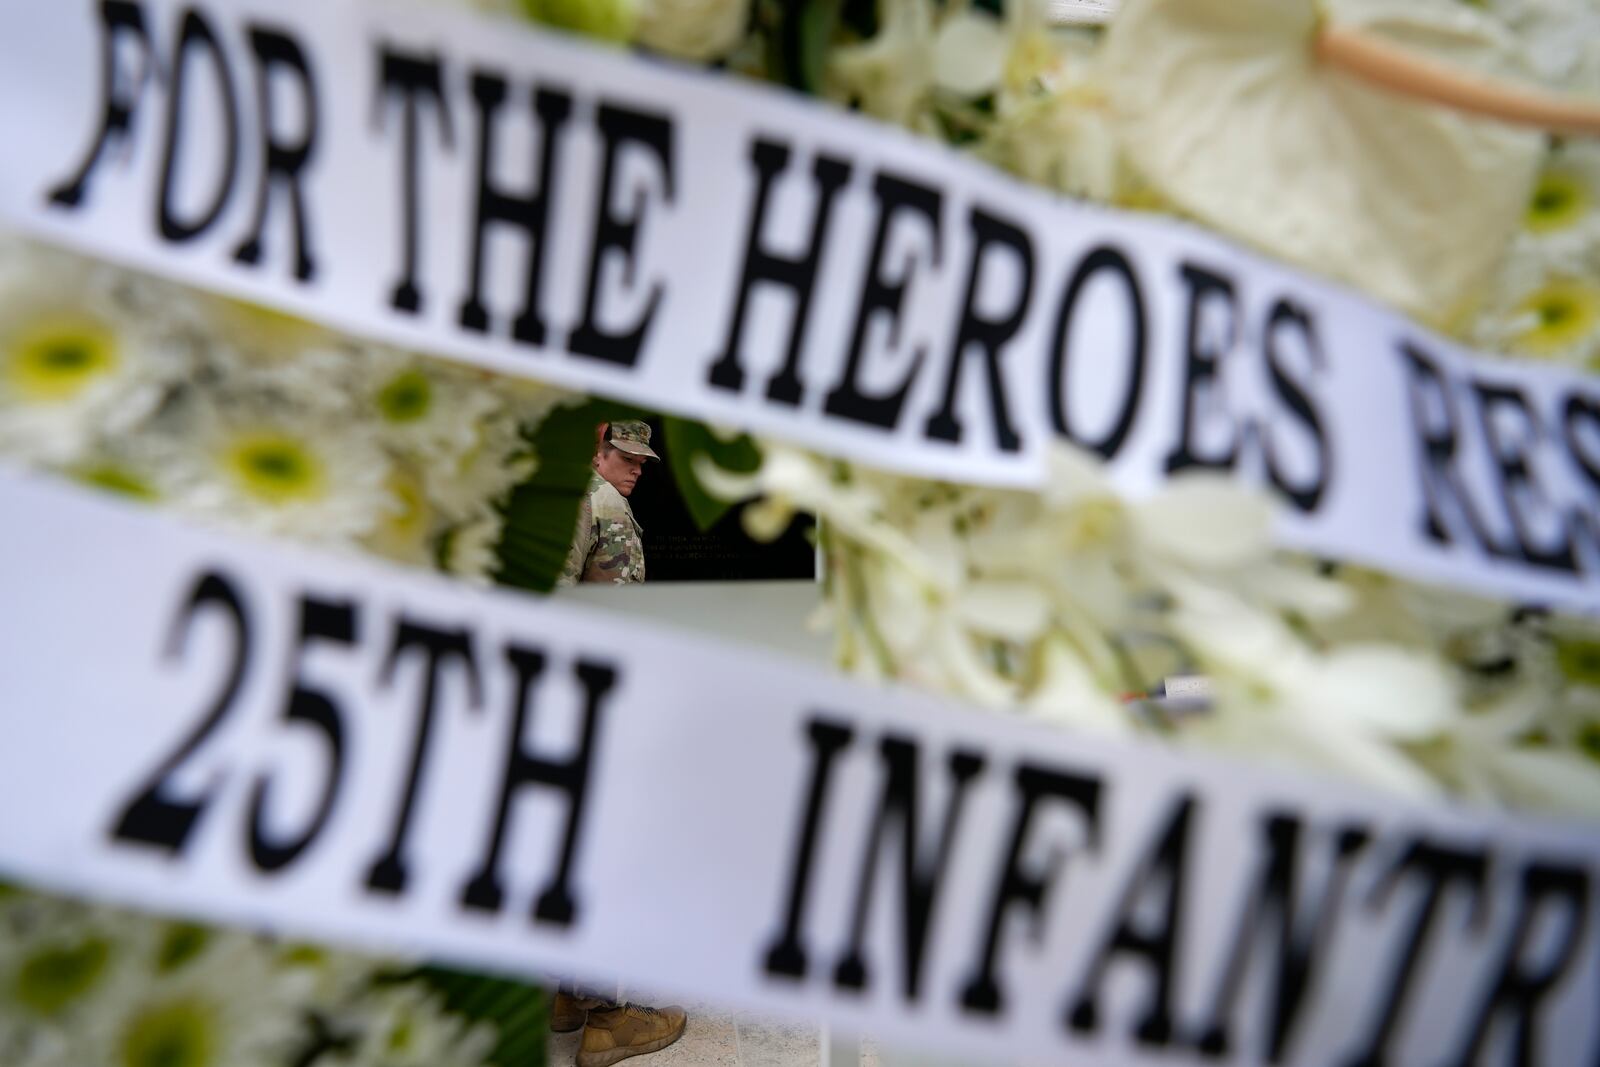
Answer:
(608, 545)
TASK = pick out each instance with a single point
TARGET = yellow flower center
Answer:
(1564, 312)
(274, 467)
(180, 1033)
(406, 397)
(55, 359)
(1559, 201)
(50, 980)
(118, 480)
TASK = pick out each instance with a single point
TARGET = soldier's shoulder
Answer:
(608, 504)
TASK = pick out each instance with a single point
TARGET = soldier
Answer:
(608, 546)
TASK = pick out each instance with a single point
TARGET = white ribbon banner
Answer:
(711, 247)
(343, 750)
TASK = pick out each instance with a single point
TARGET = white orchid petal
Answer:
(1389, 691)
(969, 53)
(1209, 521)
(1009, 609)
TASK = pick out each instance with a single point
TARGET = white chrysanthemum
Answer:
(259, 354)
(76, 367)
(405, 1026)
(410, 530)
(1542, 311)
(1562, 222)
(499, 459)
(81, 984)
(431, 411)
(300, 474)
(470, 548)
(208, 999)
(58, 959)
(701, 30)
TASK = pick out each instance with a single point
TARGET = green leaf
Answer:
(541, 512)
(798, 44)
(518, 1012)
(686, 439)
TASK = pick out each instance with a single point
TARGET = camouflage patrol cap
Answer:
(632, 436)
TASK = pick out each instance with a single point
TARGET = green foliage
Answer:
(518, 1012)
(541, 512)
(797, 46)
(685, 440)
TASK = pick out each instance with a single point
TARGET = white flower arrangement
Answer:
(87, 985)
(1059, 604)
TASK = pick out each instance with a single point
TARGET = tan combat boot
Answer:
(630, 1030)
(568, 1012)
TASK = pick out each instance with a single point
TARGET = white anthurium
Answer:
(1227, 112)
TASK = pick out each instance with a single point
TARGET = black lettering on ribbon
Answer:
(763, 267)
(983, 992)
(1520, 985)
(321, 621)
(1158, 876)
(118, 18)
(197, 37)
(151, 818)
(619, 126)
(1295, 929)
(1579, 411)
(1103, 258)
(528, 212)
(556, 903)
(1287, 316)
(882, 297)
(438, 648)
(1439, 869)
(786, 956)
(986, 336)
(919, 881)
(283, 163)
(1436, 440)
(1202, 386)
(416, 79)
(1514, 479)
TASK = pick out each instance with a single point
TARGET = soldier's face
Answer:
(620, 469)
